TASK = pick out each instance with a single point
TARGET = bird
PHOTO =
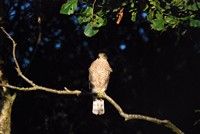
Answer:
(99, 74)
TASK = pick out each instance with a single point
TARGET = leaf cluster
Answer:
(91, 20)
(160, 14)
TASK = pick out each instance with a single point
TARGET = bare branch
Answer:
(40, 33)
(51, 90)
(15, 59)
(127, 117)
(196, 122)
(33, 85)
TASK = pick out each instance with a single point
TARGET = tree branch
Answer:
(33, 85)
(127, 117)
(51, 90)
(15, 59)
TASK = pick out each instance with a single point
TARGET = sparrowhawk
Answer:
(99, 74)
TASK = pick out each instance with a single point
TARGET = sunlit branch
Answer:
(93, 4)
(15, 59)
(127, 117)
(33, 85)
(52, 90)
(40, 33)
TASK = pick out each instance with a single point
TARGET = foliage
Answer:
(161, 14)
(69, 7)
(86, 16)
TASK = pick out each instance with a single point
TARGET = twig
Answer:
(127, 117)
(51, 90)
(40, 33)
(33, 85)
(15, 59)
(196, 122)
(120, 15)
(93, 4)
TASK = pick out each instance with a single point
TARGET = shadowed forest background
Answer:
(154, 73)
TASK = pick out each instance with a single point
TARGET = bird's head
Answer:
(102, 55)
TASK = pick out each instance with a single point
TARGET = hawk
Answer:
(99, 74)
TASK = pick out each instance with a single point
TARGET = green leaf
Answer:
(86, 15)
(84, 19)
(133, 16)
(171, 20)
(194, 23)
(146, 7)
(100, 13)
(90, 30)
(158, 23)
(124, 4)
(88, 11)
(181, 4)
(69, 7)
(150, 15)
(153, 3)
(159, 15)
(98, 21)
(101, 18)
(194, 7)
(132, 5)
(115, 10)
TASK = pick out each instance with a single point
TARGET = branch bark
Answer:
(165, 123)
(5, 112)
(37, 87)
(33, 86)
(6, 103)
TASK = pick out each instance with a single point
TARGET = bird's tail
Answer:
(98, 106)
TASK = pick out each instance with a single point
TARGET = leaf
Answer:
(159, 15)
(86, 15)
(90, 30)
(100, 13)
(146, 7)
(98, 21)
(69, 7)
(133, 16)
(83, 19)
(158, 23)
(181, 4)
(150, 15)
(132, 5)
(115, 9)
(88, 11)
(194, 23)
(194, 7)
(153, 3)
(171, 20)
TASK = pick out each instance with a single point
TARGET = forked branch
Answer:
(33, 85)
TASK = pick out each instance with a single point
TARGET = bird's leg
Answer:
(100, 94)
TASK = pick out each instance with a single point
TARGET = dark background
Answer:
(155, 74)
